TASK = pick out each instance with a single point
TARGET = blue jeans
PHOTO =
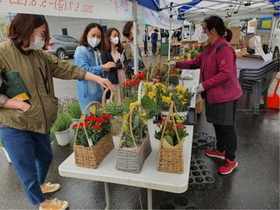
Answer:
(31, 156)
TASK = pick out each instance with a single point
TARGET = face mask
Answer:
(115, 40)
(38, 44)
(93, 42)
(204, 37)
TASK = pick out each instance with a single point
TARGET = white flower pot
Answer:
(185, 113)
(63, 137)
(164, 113)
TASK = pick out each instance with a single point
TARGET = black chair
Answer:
(257, 83)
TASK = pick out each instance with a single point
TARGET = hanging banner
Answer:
(97, 9)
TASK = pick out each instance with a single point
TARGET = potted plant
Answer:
(182, 99)
(172, 131)
(134, 144)
(135, 126)
(73, 108)
(96, 124)
(163, 97)
(61, 128)
(93, 140)
(116, 110)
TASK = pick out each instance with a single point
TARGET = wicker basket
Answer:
(91, 157)
(170, 158)
(167, 82)
(132, 159)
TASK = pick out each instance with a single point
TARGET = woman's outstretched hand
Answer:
(105, 83)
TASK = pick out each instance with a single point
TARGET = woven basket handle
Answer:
(153, 72)
(140, 91)
(173, 75)
(159, 59)
(82, 119)
(115, 96)
(130, 113)
(172, 108)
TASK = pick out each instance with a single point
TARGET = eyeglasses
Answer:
(41, 35)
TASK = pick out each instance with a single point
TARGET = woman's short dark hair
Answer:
(127, 28)
(216, 22)
(107, 38)
(22, 27)
(83, 39)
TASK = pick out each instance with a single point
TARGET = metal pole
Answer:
(169, 38)
(135, 31)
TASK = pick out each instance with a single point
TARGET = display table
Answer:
(189, 42)
(149, 177)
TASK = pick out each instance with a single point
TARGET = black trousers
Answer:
(226, 140)
(146, 47)
(154, 47)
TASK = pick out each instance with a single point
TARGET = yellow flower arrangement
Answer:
(163, 96)
(135, 122)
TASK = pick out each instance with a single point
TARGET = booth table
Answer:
(149, 177)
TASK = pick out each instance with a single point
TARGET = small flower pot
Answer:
(63, 137)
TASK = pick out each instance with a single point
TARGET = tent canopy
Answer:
(227, 9)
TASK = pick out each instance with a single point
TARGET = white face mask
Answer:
(93, 42)
(38, 44)
(204, 37)
(115, 40)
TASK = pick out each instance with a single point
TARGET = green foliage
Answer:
(194, 53)
(115, 109)
(134, 122)
(151, 107)
(62, 122)
(169, 131)
(73, 108)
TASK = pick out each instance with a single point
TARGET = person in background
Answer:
(154, 39)
(243, 32)
(220, 88)
(128, 45)
(88, 56)
(25, 125)
(146, 39)
(113, 54)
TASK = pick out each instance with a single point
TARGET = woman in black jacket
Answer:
(116, 75)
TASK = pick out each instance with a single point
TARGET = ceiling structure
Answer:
(229, 9)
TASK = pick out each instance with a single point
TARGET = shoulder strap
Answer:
(221, 46)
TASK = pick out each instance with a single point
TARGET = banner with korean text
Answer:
(96, 9)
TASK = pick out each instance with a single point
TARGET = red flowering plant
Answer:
(161, 72)
(96, 124)
(199, 47)
(167, 129)
(130, 87)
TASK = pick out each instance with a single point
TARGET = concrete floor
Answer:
(253, 185)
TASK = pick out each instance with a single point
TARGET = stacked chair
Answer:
(257, 82)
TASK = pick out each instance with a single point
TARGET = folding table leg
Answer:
(107, 195)
(150, 199)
